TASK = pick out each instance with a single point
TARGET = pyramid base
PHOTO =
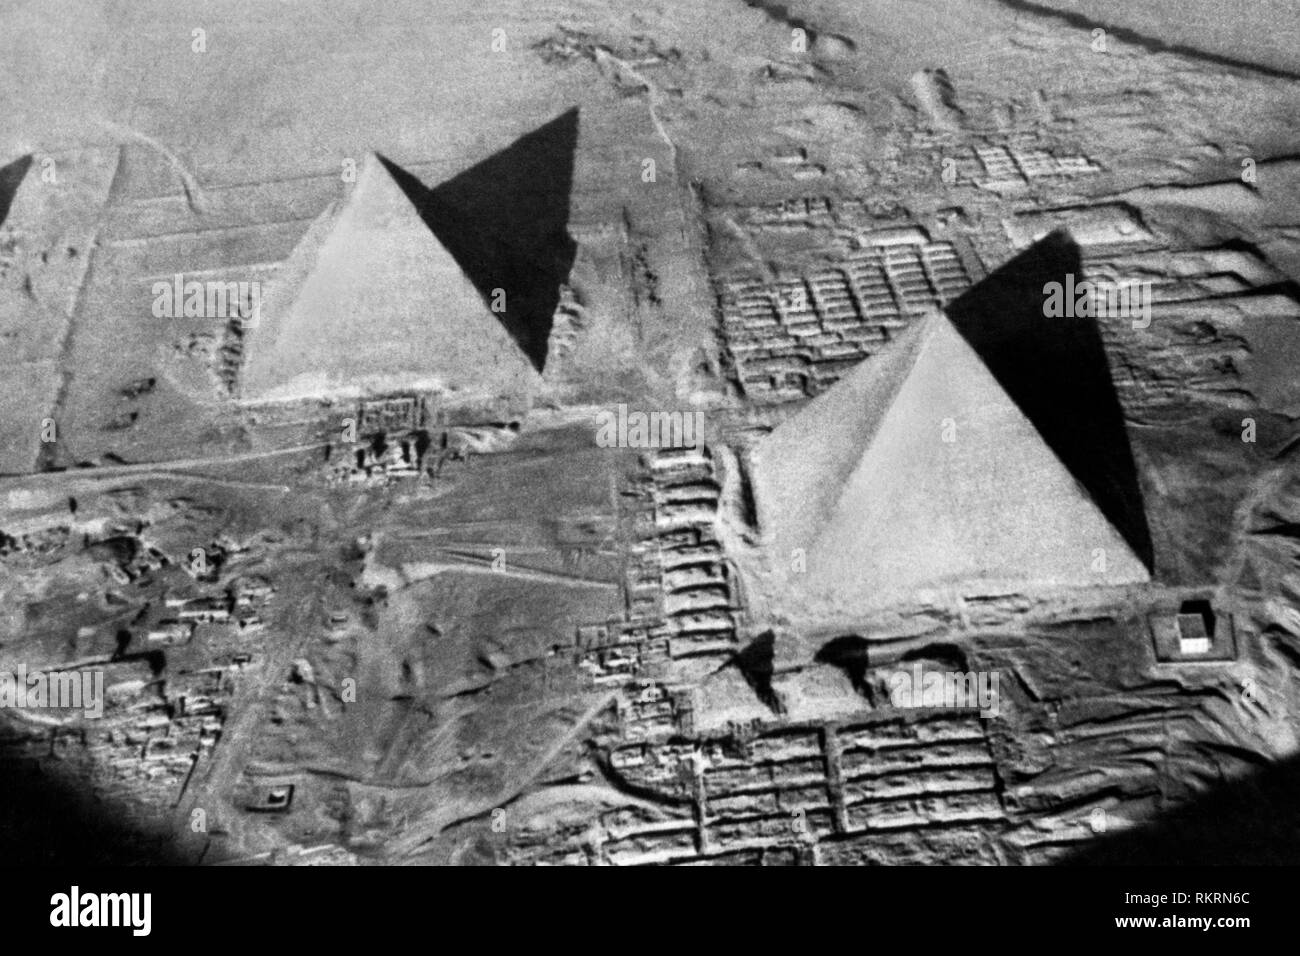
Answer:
(864, 609)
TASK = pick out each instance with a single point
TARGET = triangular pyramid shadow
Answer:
(917, 471)
(505, 220)
(852, 654)
(11, 177)
(756, 662)
(370, 301)
(1056, 370)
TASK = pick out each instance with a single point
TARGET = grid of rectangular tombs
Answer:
(792, 338)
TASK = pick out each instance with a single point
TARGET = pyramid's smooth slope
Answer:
(371, 301)
(883, 507)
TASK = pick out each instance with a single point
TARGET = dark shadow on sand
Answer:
(1251, 821)
(49, 821)
(11, 177)
(505, 221)
(1056, 371)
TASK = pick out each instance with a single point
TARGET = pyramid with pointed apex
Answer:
(917, 471)
(370, 301)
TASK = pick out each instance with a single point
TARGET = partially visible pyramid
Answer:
(861, 489)
(370, 301)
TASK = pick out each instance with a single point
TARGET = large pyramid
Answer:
(916, 472)
(370, 301)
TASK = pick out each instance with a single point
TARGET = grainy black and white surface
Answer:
(689, 431)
